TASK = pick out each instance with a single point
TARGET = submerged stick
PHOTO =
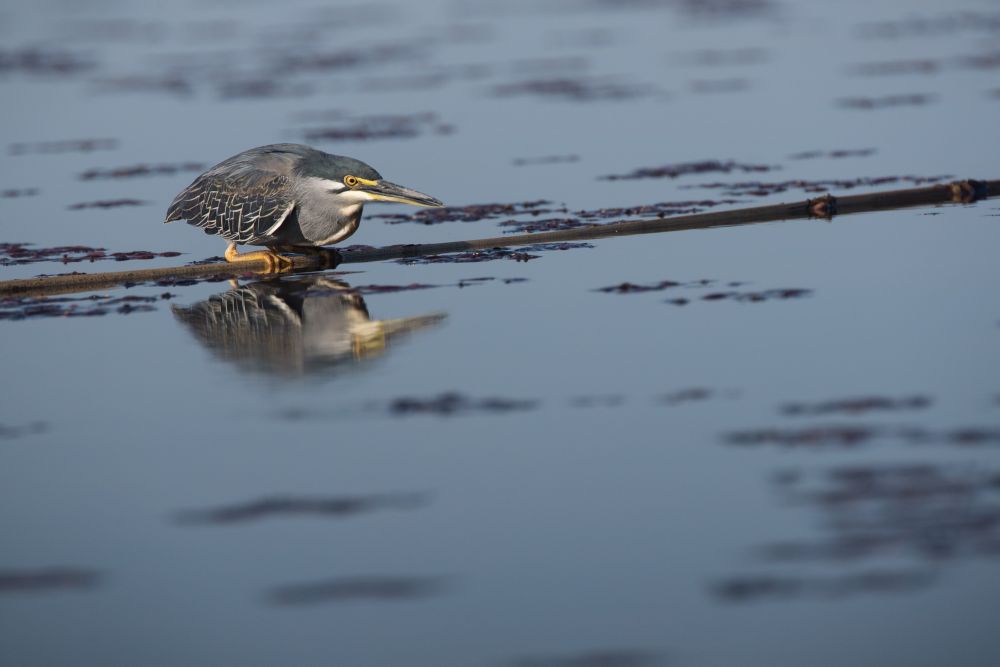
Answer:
(822, 207)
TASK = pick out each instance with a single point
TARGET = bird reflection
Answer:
(293, 326)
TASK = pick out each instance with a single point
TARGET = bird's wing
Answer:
(245, 206)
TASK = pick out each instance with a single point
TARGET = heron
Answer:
(288, 198)
(294, 325)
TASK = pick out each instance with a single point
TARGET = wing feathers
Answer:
(246, 209)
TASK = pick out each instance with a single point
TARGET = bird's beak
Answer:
(386, 191)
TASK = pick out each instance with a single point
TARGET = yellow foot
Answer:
(275, 263)
(330, 257)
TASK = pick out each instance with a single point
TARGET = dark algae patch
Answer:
(575, 89)
(141, 170)
(526, 217)
(452, 404)
(107, 203)
(472, 212)
(358, 588)
(15, 193)
(688, 168)
(928, 511)
(490, 254)
(545, 225)
(389, 126)
(13, 254)
(937, 514)
(886, 101)
(766, 587)
(756, 297)
(857, 406)
(47, 579)
(763, 188)
(10, 432)
(704, 284)
(336, 507)
(22, 308)
(853, 435)
(834, 154)
(544, 159)
(33, 61)
(62, 146)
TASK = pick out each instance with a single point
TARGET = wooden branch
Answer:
(822, 207)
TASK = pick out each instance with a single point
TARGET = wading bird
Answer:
(287, 197)
(294, 326)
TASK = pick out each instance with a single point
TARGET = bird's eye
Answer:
(350, 181)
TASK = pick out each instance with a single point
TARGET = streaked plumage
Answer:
(292, 326)
(285, 195)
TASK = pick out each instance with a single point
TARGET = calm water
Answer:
(519, 470)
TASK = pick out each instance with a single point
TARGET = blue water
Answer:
(575, 493)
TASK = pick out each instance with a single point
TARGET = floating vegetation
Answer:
(545, 159)
(660, 210)
(546, 225)
(107, 203)
(48, 579)
(21, 308)
(926, 26)
(451, 404)
(490, 254)
(857, 406)
(895, 67)
(367, 128)
(886, 101)
(13, 254)
(337, 507)
(585, 218)
(730, 295)
(929, 511)
(262, 88)
(754, 297)
(687, 168)
(726, 57)
(14, 193)
(8, 432)
(756, 587)
(297, 61)
(579, 89)
(62, 146)
(389, 289)
(472, 212)
(169, 83)
(842, 435)
(351, 589)
(763, 189)
(933, 512)
(582, 218)
(690, 395)
(835, 154)
(141, 170)
(635, 288)
(44, 62)
(472, 256)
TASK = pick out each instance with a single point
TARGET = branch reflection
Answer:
(294, 325)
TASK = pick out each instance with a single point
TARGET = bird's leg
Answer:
(331, 258)
(275, 263)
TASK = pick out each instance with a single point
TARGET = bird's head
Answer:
(352, 181)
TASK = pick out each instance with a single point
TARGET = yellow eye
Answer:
(350, 181)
